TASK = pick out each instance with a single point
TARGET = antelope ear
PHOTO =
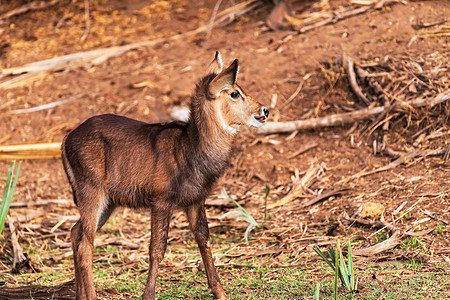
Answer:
(215, 67)
(224, 80)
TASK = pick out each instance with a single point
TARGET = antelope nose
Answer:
(265, 111)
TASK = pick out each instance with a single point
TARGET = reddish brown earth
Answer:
(267, 66)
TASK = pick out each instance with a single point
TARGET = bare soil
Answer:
(271, 62)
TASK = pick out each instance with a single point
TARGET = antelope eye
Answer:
(235, 95)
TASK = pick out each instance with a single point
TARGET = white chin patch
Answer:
(255, 123)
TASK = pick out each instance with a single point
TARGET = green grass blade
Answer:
(8, 184)
(317, 292)
(243, 216)
(331, 254)
(324, 257)
(336, 274)
(350, 267)
(228, 213)
(266, 216)
(7, 196)
(343, 269)
(249, 228)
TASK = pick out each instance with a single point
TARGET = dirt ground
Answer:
(148, 82)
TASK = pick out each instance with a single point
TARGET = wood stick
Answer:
(20, 259)
(35, 5)
(402, 159)
(435, 216)
(30, 151)
(299, 187)
(402, 215)
(350, 117)
(303, 149)
(390, 243)
(46, 106)
(349, 68)
(322, 196)
(213, 17)
(86, 19)
(41, 203)
(335, 16)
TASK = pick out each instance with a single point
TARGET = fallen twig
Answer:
(322, 196)
(35, 5)
(30, 151)
(41, 203)
(299, 187)
(213, 17)
(64, 291)
(390, 243)
(350, 117)
(435, 216)
(292, 97)
(46, 106)
(20, 260)
(349, 68)
(86, 18)
(303, 149)
(404, 158)
(401, 216)
(313, 21)
(420, 24)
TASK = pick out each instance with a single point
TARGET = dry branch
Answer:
(65, 291)
(46, 106)
(315, 20)
(35, 5)
(350, 117)
(324, 195)
(30, 151)
(390, 243)
(349, 68)
(20, 260)
(98, 56)
(299, 187)
(435, 216)
(303, 149)
(41, 203)
(404, 158)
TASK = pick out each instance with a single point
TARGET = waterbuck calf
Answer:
(113, 161)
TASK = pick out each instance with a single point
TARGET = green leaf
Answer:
(317, 292)
(343, 269)
(244, 216)
(336, 272)
(350, 267)
(324, 257)
(7, 196)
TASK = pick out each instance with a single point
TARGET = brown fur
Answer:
(115, 161)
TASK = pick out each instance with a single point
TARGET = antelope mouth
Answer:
(257, 120)
(261, 119)
(263, 114)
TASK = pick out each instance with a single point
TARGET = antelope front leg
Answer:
(158, 244)
(199, 226)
